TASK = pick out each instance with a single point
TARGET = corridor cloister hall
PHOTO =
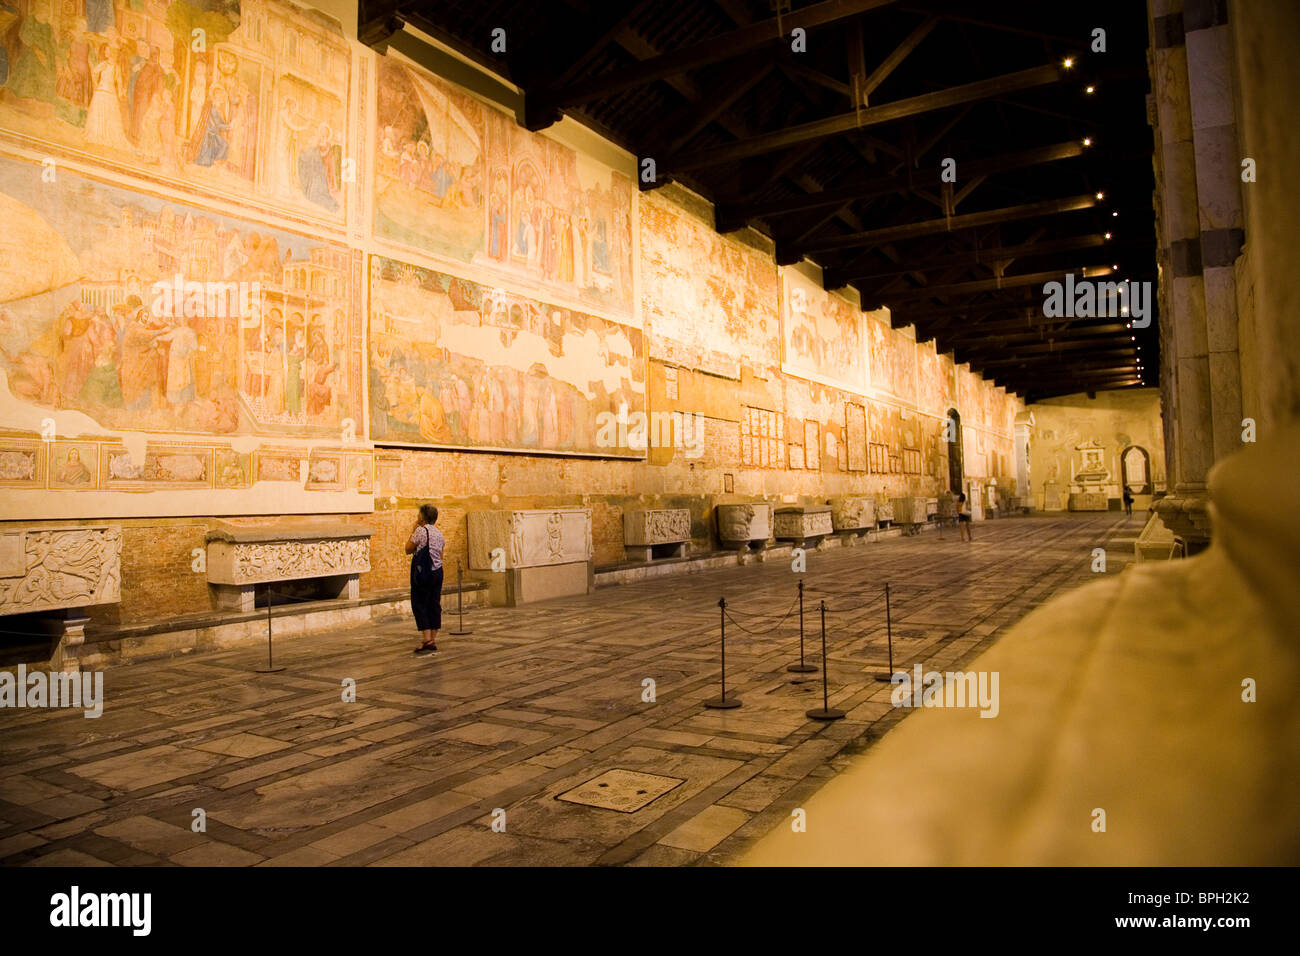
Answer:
(712, 434)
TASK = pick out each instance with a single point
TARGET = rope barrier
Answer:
(784, 618)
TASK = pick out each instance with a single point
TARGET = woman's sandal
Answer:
(426, 649)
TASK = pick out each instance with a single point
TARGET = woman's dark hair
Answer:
(961, 496)
(429, 513)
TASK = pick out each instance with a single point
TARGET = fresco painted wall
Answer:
(242, 99)
(459, 179)
(821, 334)
(707, 301)
(148, 327)
(454, 364)
(507, 289)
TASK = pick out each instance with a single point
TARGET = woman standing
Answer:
(425, 548)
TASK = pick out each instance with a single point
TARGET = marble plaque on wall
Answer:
(529, 539)
(56, 568)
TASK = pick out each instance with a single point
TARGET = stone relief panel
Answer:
(744, 522)
(256, 111)
(853, 514)
(456, 364)
(55, 568)
(799, 523)
(254, 562)
(661, 526)
(529, 539)
(459, 179)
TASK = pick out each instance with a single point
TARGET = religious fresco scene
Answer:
(822, 335)
(457, 178)
(455, 364)
(572, 434)
(233, 98)
(98, 326)
(706, 302)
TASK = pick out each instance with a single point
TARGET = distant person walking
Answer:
(1128, 502)
(963, 518)
(425, 547)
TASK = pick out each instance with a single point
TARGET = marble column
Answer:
(1200, 226)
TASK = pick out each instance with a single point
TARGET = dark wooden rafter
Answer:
(930, 227)
(836, 278)
(870, 116)
(712, 50)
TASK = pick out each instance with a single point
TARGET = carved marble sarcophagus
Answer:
(803, 524)
(533, 554)
(884, 510)
(853, 514)
(662, 532)
(241, 557)
(740, 525)
(54, 569)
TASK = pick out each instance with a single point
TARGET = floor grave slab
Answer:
(626, 791)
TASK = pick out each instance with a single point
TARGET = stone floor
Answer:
(536, 703)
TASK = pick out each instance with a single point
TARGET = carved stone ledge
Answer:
(1188, 517)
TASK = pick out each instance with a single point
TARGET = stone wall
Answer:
(436, 305)
(1072, 430)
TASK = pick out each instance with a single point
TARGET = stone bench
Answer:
(744, 526)
(852, 518)
(659, 533)
(241, 557)
(53, 573)
(531, 555)
(803, 524)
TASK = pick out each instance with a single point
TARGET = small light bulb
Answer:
(1101, 195)
(1069, 62)
(1108, 235)
(1087, 141)
(1115, 213)
(1089, 89)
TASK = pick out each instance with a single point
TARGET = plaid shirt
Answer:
(429, 535)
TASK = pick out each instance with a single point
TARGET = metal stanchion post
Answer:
(723, 702)
(270, 667)
(889, 637)
(460, 606)
(801, 667)
(827, 712)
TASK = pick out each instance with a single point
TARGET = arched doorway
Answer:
(1135, 467)
(956, 469)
